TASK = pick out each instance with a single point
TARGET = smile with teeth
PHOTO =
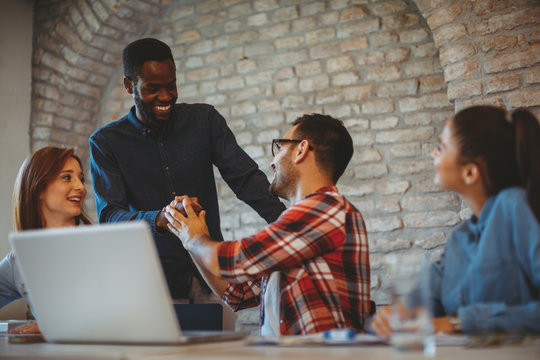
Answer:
(75, 199)
(163, 107)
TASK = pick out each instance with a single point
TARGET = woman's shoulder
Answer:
(7, 265)
(511, 195)
(511, 204)
(511, 200)
(10, 258)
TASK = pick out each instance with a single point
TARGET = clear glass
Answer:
(411, 318)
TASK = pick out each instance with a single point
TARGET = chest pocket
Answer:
(193, 167)
(494, 281)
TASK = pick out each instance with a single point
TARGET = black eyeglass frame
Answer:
(275, 143)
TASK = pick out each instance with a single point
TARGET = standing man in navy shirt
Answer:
(161, 149)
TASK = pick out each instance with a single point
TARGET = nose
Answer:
(78, 184)
(435, 152)
(164, 95)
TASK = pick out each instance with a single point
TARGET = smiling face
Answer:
(155, 92)
(63, 198)
(285, 174)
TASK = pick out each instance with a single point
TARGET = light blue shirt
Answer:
(11, 283)
(490, 272)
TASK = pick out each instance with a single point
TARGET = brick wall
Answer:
(393, 70)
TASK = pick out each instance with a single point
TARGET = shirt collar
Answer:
(327, 188)
(132, 117)
(143, 129)
(477, 224)
(322, 190)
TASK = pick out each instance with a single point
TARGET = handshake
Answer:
(179, 206)
(189, 228)
(177, 203)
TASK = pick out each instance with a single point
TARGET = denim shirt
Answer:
(490, 272)
(136, 172)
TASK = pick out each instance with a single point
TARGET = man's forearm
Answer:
(191, 229)
(217, 284)
(204, 253)
(116, 214)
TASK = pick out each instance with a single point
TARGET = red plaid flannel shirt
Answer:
(320, 248)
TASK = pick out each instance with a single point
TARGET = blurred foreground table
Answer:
(235, 350)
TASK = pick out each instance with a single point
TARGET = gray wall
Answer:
(15, 89)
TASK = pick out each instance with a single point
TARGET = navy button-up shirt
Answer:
(136, 172)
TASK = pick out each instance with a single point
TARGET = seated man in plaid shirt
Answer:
(309, 270)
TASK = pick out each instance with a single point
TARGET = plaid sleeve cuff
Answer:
(226, 258)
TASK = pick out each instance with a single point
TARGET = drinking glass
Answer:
(411, 318)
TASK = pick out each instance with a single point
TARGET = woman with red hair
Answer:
(49, 192)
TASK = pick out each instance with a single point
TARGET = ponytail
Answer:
(527, 132)
(505, 146)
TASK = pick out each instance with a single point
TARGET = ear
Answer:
(302, 150)
(471, 173)
(128, 84)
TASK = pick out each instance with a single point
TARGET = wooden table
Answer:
(237, 350)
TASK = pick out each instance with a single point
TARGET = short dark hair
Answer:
(506, 147)
(331, 141)
(140, 51)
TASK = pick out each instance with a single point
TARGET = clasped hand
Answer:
(190, 227)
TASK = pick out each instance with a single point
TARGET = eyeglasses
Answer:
(276, 144)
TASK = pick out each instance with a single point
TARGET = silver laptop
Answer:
(101, 284)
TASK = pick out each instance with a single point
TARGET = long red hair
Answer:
(35, 174)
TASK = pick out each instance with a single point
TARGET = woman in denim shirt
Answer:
(49, 192)
(488, 279)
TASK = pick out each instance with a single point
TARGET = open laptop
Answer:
(101, 284)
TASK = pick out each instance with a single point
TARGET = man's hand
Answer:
(192, 231)
(190, 227)
(161, 219)
(179, 205)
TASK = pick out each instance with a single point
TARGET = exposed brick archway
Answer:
(486, 48)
